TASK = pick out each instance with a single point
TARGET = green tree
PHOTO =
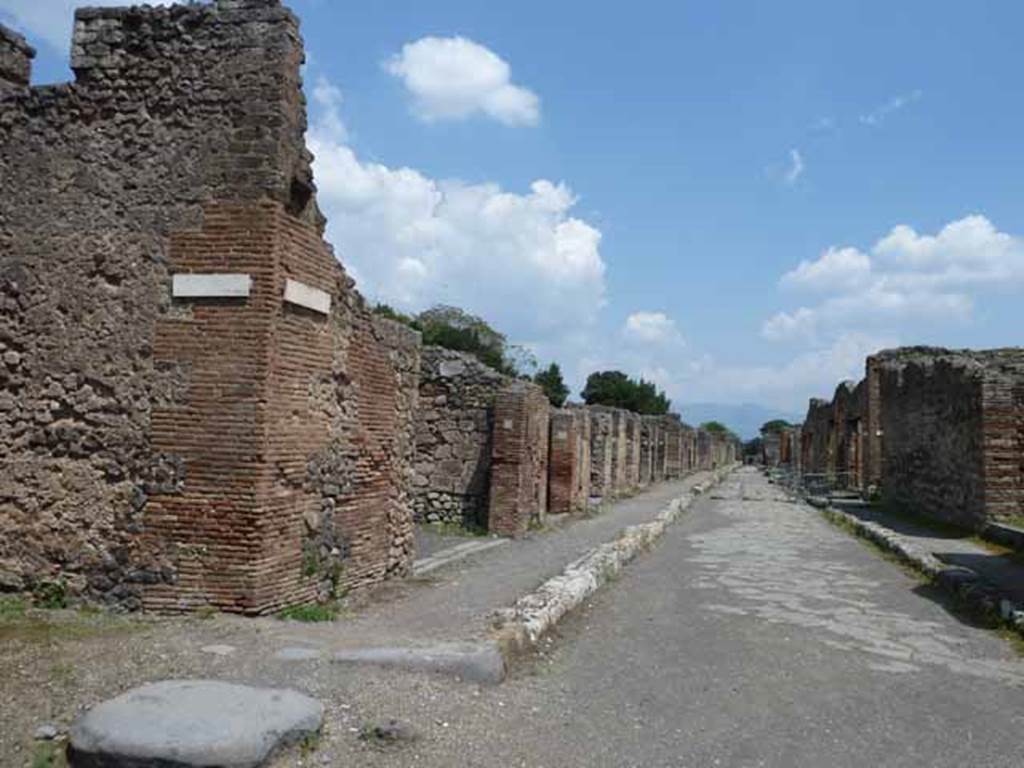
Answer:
(775, 425)
(616, 389)
(551, 381)
(718, 428)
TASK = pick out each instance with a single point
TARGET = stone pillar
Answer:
(519, 463)
(569, 461)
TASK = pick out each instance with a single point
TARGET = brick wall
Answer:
(519, 468)
(569, 461)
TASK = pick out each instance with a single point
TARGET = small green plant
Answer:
(310, 563)
(49, 754)
(310, 744)
(206, 612)
(310, 613)
(51, 594)
(466, 529)
(12, 607)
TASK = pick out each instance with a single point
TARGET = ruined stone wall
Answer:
(673, 448)
(519, 459)
(816, 439)
(569, 461)
(950, 432)
(240, 441)
(454, 423)
(602, 448)
(660, 450)
(771, 448)
(633, 436)
(15, 60)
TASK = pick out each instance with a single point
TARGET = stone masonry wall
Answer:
(454, 423)
(15, 60)
(602, 447)
(519, 459)
(949, 432)
(816, 458)
(231, 449)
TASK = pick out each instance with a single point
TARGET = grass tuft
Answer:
(310, 613)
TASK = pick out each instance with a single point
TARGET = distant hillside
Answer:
(745, 419)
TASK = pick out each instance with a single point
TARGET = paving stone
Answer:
(181, 723)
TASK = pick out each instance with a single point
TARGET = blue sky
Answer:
(739, 200)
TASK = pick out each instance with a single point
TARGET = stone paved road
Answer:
(756, 634)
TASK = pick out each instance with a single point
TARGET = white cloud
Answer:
(652, 328)
(879, 114)
(788, 325)
(521, 260)
(836, 268)
(452, 78)
(905, 276)
(52, 20)
(796, 167)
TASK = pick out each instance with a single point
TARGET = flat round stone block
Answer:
(192, 723)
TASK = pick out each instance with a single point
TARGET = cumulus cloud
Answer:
(522, 260)
(51, 20)
(453, 78)
(836, 268)
(904, 275)
(651, 328)
(788, 325)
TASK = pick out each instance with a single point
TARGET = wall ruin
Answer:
(936, 431)
(519, 459)
(454, 423)
(569, 460)
(196, 407)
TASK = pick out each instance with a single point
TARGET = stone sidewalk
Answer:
(999, 569)
(439, 620)
(457, 602)
(987, 578)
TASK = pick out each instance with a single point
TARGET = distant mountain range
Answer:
(745, 420)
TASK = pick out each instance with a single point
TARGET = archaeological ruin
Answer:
(936, 432)
(197, 408)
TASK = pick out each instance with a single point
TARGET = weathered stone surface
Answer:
(936, 431)
(192, 723)
(147, 441)
(454, 421)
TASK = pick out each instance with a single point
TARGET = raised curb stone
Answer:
(193, 724)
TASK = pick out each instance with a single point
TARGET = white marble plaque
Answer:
(302, 295)
(210, 286)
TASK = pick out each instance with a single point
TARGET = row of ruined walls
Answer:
(197, 408)
(244, 446)
(934, 431)
(491, 453)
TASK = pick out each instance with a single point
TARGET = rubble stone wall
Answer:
(950, 425)
(937, 431)
(454, 424)
(173, 448)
